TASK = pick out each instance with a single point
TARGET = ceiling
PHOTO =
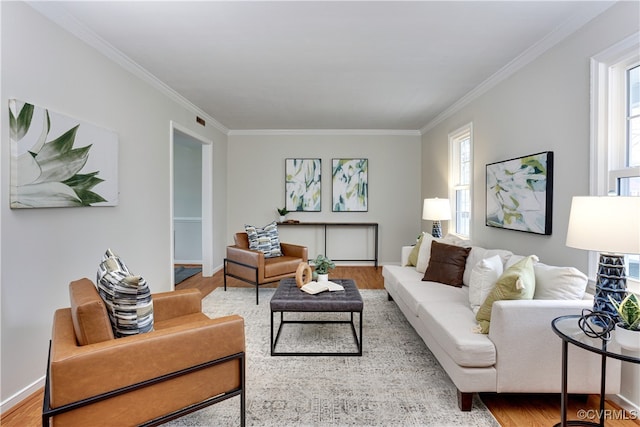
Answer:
(386, 65)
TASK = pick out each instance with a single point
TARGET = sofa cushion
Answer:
(88, 312)
(414, 292)
(127, 297)
(484, 276)
(561, 283)
(517, 282)
(452, 324)
(446, 264)
(264, 239)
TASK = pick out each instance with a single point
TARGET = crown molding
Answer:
(569, 27)
(370, 132)
(57, 14)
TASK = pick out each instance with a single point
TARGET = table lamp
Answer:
(436, 210)
(611, 226)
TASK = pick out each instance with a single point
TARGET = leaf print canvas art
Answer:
(350, 185)
(302, 185)
(520, 193)
(58, 161)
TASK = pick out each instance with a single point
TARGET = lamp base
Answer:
(611, 281)
(436, 231)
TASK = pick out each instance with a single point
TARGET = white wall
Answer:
(256, 187)
(42, 250)
(543, 107)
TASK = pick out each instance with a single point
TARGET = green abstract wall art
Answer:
(520, 193)
(350, 185)
(303, 185)
(58, 161)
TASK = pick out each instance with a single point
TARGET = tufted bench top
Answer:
(288, 297)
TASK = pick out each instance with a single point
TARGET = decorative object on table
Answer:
(520, 193)
(606, 224)
(283, 213)
(303, 274)
(322, 265)
(350, 185)
(303, 185)
(436, 210)
(596, 324)
(47, 171)
(627, 331)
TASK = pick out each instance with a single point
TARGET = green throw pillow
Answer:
(517, 282)
(413, 256)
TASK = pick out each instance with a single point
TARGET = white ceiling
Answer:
(389, 65)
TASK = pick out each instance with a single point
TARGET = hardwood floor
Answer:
(511, 410)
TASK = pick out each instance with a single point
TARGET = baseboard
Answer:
(624, 403)
(21, 395)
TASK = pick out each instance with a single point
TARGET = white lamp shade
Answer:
(605, 224)
(436, 209)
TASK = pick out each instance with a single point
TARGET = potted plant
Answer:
(283, 212)
(627, 331)
(322, 265)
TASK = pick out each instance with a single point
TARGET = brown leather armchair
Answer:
(186, 363)
(252, 267)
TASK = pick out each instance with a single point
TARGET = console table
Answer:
(326, 225)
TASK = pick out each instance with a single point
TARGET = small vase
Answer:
(323, 277)
(627, 338)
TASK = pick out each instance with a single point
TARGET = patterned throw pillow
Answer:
(127, 297)
(264, 239)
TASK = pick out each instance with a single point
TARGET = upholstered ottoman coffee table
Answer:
(289, 298)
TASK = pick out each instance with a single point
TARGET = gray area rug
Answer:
(183, 273)
(397, 381)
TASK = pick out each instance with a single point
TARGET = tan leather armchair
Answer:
(252, 267)
(186, 363)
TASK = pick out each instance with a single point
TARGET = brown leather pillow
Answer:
(446, 264)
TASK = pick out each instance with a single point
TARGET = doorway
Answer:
(191, 199)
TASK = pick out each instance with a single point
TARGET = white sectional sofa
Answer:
(521, 353)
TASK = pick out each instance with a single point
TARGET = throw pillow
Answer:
(517, 282)
(484, 276)
(425, 252)
(126, 297)
(446, 264)
(477, 254)
(413, 256)
(559, 282)
(264, 239)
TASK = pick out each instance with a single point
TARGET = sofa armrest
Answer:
(167, 305)
(529, 353)
(78, 372)
(404, 255)
(297, 251)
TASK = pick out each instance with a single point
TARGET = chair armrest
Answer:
(79, 372)
(167, 305)
(297, 251)
(246, 256)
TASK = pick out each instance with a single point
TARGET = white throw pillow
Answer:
(484, 276)
(477, 254)
(425, 252)
(559, 283)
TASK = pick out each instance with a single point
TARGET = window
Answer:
(615, 104)
(461, 171)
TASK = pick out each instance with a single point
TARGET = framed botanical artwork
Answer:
(520, 193)
(59, 161)
(350, 185)
(302, 184)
